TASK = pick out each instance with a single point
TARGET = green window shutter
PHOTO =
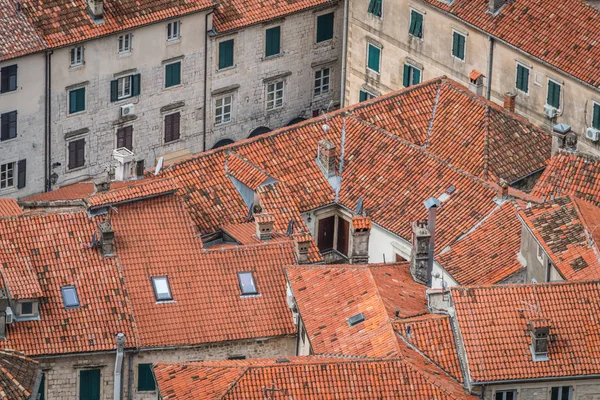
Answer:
(363, 96)
(89, 384)
(173, 74)
(406, 76)
(416, 76)
(41, 391)
(145, 378)
(458, 45)
(272, 41)
(135, 84)
(596, 117)
(519, 77)
(76, 100)
(416, 24)
(114, 88)
(522, 78)
(374, 54)
(226, 54)
(72, 101)
(553, 94)
(375, 8)
(81, 99)
(324, 27)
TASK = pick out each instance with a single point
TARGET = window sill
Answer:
(250, 296)
(9, 91)
(324, 43)
(322, 95)
(227, 68)
(221, 124)
(123, 101)
(124, 54)
(274, 110)
(372, 71)
(459, 59)
(9, 140)
(172, 141)
(76, 66)
(76, 169)
(11, 189)
(165, 301)
(272, 57)
(174, 41)
(173, 87)
(76, 113)
(413, 37)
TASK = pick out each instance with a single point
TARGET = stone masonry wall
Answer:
(585, 389)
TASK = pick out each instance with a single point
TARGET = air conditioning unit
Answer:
(10, 317)
(592, 134)
(127, 109)
(550, 111)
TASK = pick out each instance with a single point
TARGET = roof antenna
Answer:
(290, 228)
(159, 165)
(94, 241)
(359, 207)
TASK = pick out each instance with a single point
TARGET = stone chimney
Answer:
(302, 244)
(494, 5)
(264, 225)
(419, 256)
(124, 158)
(476, 82)
(107, 238)
(509, 101)
(361, 230)
(431, 204)
(3, 307)
(102, 184)
(326, 157)
(566, 138)
(503, 189)
(539, 331)
(96, 8)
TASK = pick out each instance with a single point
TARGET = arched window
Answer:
(222, 142)
(259, 131)
(295, 121)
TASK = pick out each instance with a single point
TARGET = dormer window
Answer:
(162, 290)
(69, 295)
(26, 310)
(356, 319)
(247, 284)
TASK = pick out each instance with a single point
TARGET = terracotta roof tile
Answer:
(244, 171)
(9, 208)
(360, 223)
(18, 376)
(75, 191)
(17, 35)
(134, 190)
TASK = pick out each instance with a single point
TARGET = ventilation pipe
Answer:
(432, 204)
(118, 381)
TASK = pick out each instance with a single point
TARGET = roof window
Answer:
(356, 319)
(69, 295)
(162, 290)
(247, 284)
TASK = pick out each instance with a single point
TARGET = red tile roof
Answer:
(9, 208)
(558, 33)
(493, 321)
(360, 223)
(17, 35)
(487, 254)
(75, 191)
(561, 229)
(569, 173)
(244, 171)
(303, 377)
(18, 376)
(132, 190)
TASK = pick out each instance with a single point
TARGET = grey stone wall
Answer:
(584, 389)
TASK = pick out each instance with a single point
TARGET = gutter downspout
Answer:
(205, 77)
(130, 376)
(118, 381)
(488, 94)
(47, 122)
(344, 54)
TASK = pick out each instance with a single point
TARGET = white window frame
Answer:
(320, 85)
(464, 60)
(124, 43)
(560, 389)
(516, 75)
(173, 30)
(32, 314)
(76, 54)
(169, 293)
(560, 98)
(411, 74)
(252, 280)
(225, 117)
(540, 253)
(122, 82)
(369, 45)
(5, 179)
(278, 94)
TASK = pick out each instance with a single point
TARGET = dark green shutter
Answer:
(416, 76)
(89, 384)
(458, 46)
(375, 8)
(21, 173)
(173, 74)
(136, 81)
(522, 78)
(41, 391)
(226, 54)
(72, 101)
(362, 96)
(416, 24)
(272, 41)
(596, 117)
(324, 27)
(145, 378)
(76, 100)
(114, 89)
(406, 77)
(553, 94)
(373, 59)
(5, 126)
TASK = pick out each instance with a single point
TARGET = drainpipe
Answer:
(47, 122)
(488, 94)
(130, 377)
(205, 78)
(344, 52)
(118, 381)
(432, 204)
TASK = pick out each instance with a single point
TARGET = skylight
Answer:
(247, 284)
(356, 319)
(162, 291)
(69, 295)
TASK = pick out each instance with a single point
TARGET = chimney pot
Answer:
(503, 191)
(509, 101)
(539, 330)
(361, 230)
(102, 184)
(96, 8)
(419, 256)
(495, 5)
(107, 238)
(326, 157)
(264, 225)
(302, 244)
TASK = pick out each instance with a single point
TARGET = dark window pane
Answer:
(324, 27)
(145, 378)
(27, 308)
(226, 54)
(69, 295)
(272, 41)
(89, 384)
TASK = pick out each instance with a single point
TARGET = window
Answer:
(7, 175)
(173, 30)
(416, 24)
(595, 115)
(173, 74)
(27, 308)
(172, 127)
(125, 137)
(76, 100)
(146, 381)
(8, 126)
(76, 154)
(356, 319)
(124, 87)
(322, 81)
(223, 110)
(458, 45)
(236, 357)
(553, 98)
(375, 8)
(125, 43)
(272, 41)
(364, 96)
(540, 253)
(41, 390)
(76, 56)
(247, 284)
(522, 78)
(412, 75)
(69, 295)
(226, 54)
(373, 57)
(506, 395)
(274, 95)
(8, 78)
(561, 393)
(89, 384)
(324, 27)
(162, 291)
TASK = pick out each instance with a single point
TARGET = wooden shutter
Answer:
(3, 79)
(114, 90)
(324, 27)
(374, 55)
(4, 127)
(80, 152)
(272, 41)
(226, 54)
(525, 80)
(77, 153)
(455, 44)
(89, 384)
(72, 155)
(362, 96)
(406, 77)
(416, 76)
(173, 74)
(168, 128)
(175, 133)
(22, 173)
(125, 137)
(596, 117)
(145, 378)
(80, 98)
(136, 81)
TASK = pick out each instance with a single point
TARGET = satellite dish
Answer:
(159, 165)
(290, 228)
(325, 128)
(359, 206)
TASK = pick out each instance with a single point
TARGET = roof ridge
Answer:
(235, 382)
(584, 223)
(486, 142)
(431, 121)
(507, 286)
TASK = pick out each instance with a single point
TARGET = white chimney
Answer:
(96, 8)
(125, 163)
(432, 204)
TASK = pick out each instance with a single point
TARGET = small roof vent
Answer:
(356, 319)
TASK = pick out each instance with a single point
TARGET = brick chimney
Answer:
(476, 82)
(509, 101)
(494, 5)
(419, 256)
(361, 230)
(326, 157)
(302, 244)
(539, 330)
(264, 225)
(96, 8)
(503, 189)
(107, 238)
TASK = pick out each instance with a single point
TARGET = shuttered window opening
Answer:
(325, 27)
(522, 78)
(553, 98)
(21, 174)
(89, 384)
(173, 74)
(373, 57)
(375, 8)
(364, 96)
(322, 81)
(76, 100)
(458, 45)
(124, 87)
(596, 116)
(125, 137)
(7, 175)
(412, 75)
(8, 78)
(226, 54)
(146, 381)
(8, 126)
(272, 41)
(172, 126)
(76, 154)
(223, 110)
(416, 24)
